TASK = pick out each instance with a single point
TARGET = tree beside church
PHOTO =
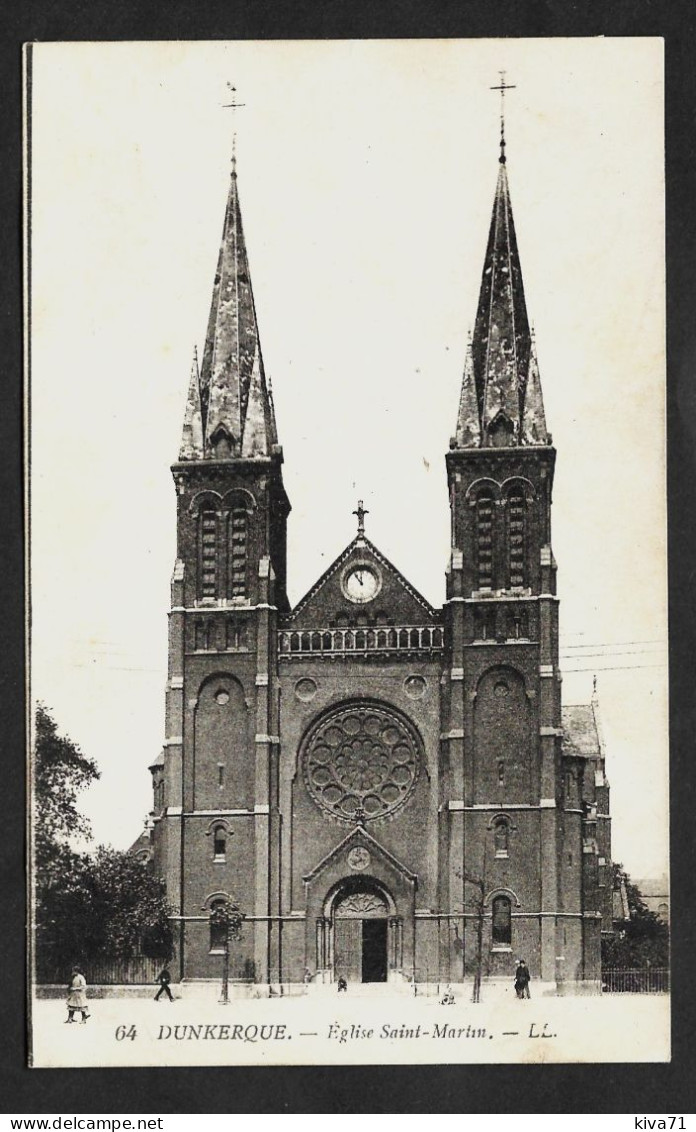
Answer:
(640, 936)
(88, 908)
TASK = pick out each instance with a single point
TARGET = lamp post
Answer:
(227, 917)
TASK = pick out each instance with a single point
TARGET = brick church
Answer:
(376, 782)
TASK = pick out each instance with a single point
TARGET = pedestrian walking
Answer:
(342, 984)
(77, 996)
(522, 978)
(164, 979)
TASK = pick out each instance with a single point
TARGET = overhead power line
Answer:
(614, 668)
(614, 644)
(610, 653)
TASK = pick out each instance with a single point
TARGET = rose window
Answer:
(361, 762)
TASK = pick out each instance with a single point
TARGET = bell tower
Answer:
(217, 832)
(501, 694)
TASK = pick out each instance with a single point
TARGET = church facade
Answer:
(389, 791)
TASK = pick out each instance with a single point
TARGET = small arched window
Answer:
(484, 538)
(517, 536)
(502, 922)
(501, 837)
(218, 931)
(238, 553)
(501, 431)
(219, 843)
(207, 553)
(517, 622)
(484, 624)
(571, 784)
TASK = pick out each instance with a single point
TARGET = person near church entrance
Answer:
(342, 984)
(77, 996)
(522, 978)
(164, 979)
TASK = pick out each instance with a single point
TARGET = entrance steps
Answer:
(397, 985)
(399, 989)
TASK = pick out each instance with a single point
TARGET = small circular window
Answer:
(415, 686)
(306, 689)
(222, 697)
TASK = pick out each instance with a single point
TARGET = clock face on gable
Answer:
(361, 583)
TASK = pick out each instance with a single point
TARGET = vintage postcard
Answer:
(346, 440)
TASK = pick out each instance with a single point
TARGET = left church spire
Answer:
(229, 411)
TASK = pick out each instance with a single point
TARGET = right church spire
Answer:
(501, 403)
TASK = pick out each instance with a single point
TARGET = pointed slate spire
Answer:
(534, 429)
(192, 437)
(468, 433)
(506, 384)
(232, 362)
(501, 335)
(258, 424)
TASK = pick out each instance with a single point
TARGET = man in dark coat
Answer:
(522, 978)
(164, 979)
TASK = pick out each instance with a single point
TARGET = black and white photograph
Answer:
(348, 552)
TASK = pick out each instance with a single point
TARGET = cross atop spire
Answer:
(502, 87)
(230, 408)
(501, 403)
(234, 106)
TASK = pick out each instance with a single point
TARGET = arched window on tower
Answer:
(219, 843)
(218, 931)
(207, 552)
(238, 553)
(502, 922)
(501, 837)
(484, 538)
(234, 634)
(517, 537)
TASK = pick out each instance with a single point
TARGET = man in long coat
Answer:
(522, 978)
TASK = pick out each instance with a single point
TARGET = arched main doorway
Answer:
(360, 920)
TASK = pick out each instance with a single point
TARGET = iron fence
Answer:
(139, 969)
(635, 980)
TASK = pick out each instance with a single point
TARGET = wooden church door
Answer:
(348, 950)
(360, 938)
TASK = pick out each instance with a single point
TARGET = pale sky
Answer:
(366, 176)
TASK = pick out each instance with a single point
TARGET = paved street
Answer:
(353, 1028)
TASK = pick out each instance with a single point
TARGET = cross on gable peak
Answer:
(361, 512)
